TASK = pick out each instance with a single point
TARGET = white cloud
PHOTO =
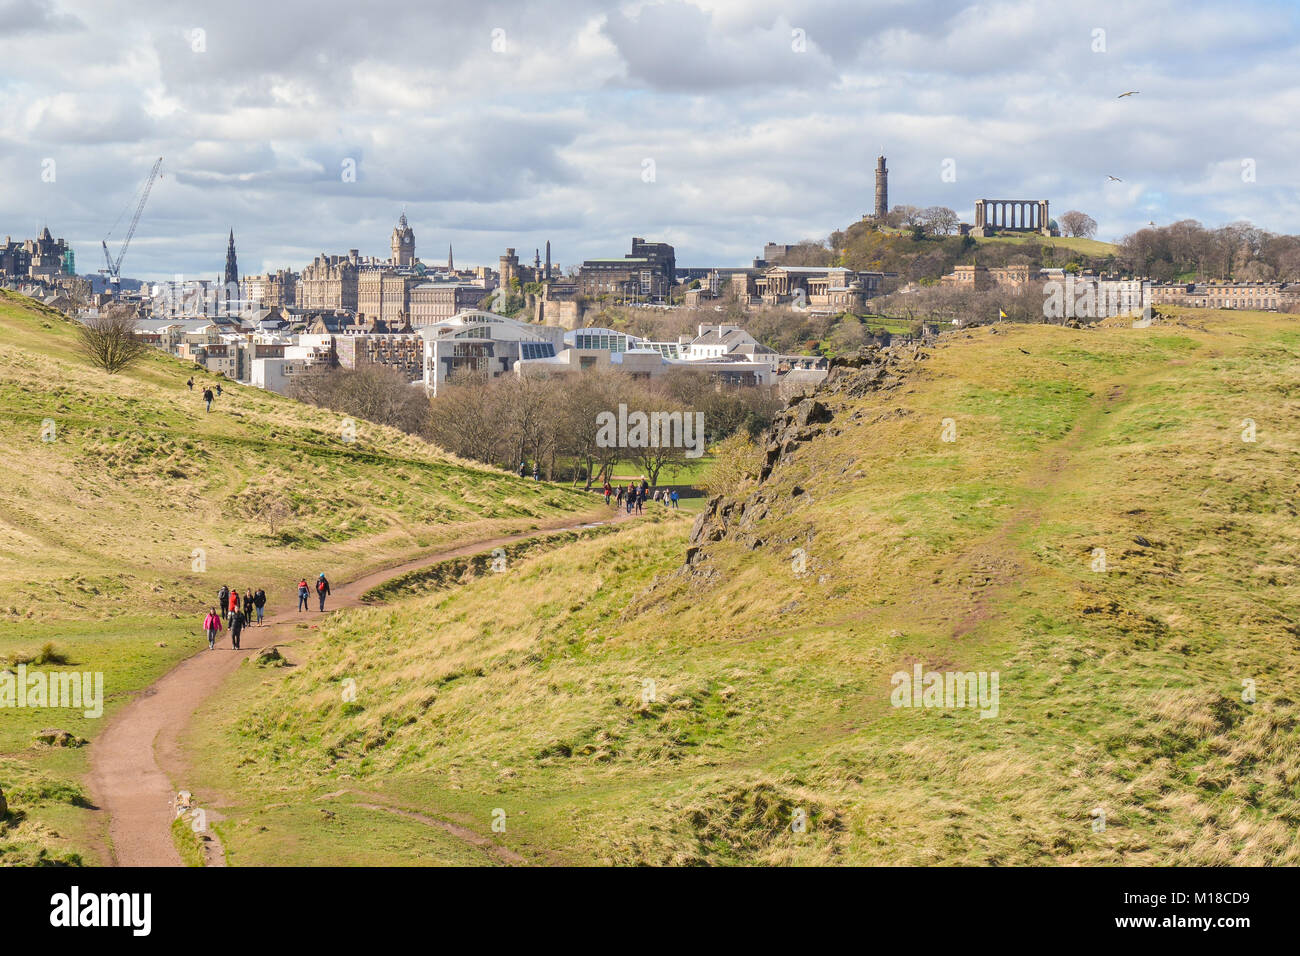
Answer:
(752, 140)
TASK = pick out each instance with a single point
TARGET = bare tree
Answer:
(1078, 224)
(109, 340)
(939, 220)
(271, 510)
(374, 392)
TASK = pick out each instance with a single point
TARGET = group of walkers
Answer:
(635, 495)
(236, 612)
(208, 395)
(322, 592)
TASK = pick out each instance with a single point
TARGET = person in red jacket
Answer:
(234, 604)
(211, 625)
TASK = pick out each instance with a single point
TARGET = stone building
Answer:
(817, 288)
(1283, 296)
(385, 294)
(977, 277)
(403, 244)
(329, 282)
(432, 302)
(510, 270)
(648, 272)
(42, 257)
(274, 290)
(1011, 215)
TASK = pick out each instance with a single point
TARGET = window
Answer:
(536, 350)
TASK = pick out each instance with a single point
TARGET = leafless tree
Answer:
(109, 340)
(1078, 224)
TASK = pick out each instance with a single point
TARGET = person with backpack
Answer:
(207, 397)
(218, 389)
(223, 600)
(259, 602)
(190, 383)
(302, 594)
(322, 590)
(237, 622)
(211, 625)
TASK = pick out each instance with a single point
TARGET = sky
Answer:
(715, 125)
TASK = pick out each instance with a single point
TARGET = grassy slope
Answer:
(1119, 690)
(1089, 247)
(100, 525)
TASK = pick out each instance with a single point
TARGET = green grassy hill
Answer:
(1097, 534)
(862, 246)
(124, 507)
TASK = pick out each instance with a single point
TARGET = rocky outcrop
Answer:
(802, 420)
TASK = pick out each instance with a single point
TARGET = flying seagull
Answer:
(1115, 179)
(1129, 93)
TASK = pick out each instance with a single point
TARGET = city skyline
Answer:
(495, 125)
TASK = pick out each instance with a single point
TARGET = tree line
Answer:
(552, 422)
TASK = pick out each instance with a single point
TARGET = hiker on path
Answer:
(223, 600)
(207, 397)
(211, 625)
(322, 590)
(248, 605)
(259, 602)
(640, 500)
(630, 495)
(674, 497)
(237, 622)
(234, 603)
(190, 383)
(608, 491)
(218, 389)
(302, 594)
(620, 496)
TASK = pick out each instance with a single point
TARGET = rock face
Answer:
(805, 417)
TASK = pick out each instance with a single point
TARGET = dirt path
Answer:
(128, 767)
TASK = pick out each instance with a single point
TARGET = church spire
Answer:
(230, 280)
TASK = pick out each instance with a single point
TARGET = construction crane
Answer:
(114, 270)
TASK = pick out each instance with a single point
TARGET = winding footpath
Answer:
(127, 776)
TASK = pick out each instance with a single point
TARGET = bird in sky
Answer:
(1129, 93)
(1115, 179)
